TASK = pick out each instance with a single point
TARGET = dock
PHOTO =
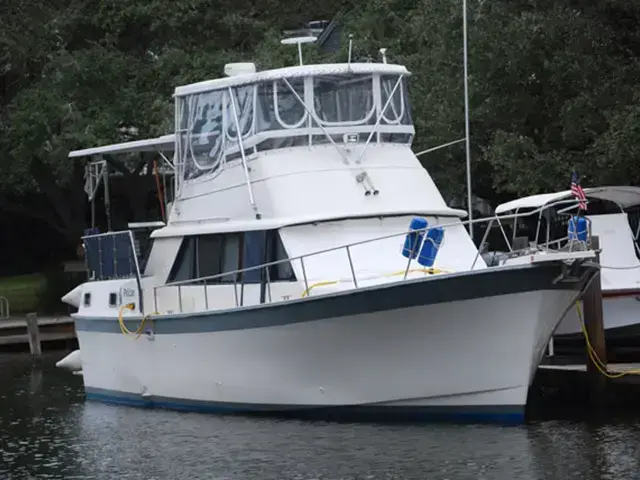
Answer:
(560, 391)
(621, 372)
(54, 332)
(613, 368)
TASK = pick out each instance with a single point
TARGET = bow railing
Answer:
(244, 293)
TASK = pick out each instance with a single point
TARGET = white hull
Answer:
(621, 317)
(472, 357)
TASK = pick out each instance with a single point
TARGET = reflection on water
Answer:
(48, 431)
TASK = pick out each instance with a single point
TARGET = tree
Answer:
(549, 88)
(553, 85)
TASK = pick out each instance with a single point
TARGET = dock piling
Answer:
(593, 320)
(33, 332)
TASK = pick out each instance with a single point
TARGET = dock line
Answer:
(594, 356)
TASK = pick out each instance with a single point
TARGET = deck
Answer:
(53, 330)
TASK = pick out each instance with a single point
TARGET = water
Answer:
(47, 431)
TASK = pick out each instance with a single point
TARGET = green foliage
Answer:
(551, 88)
(553, 85)
(23, 292)
(39, 292)
(58, 283)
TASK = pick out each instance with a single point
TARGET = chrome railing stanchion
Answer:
(268, 283)
(155, 298)
(206, 295)
(484, 239)
(353, 273)
(241, 290)
(235, 290)
(304, 275)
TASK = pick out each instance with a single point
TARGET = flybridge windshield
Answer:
(290, 112)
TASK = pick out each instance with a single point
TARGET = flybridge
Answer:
(345, 106)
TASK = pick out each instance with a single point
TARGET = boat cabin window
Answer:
(113, 299)
(280, 113)
(210, 255)
(340, 100)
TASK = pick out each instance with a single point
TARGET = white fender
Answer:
(73, 297)
(72, 362)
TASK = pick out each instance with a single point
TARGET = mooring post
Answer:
(33, 333)
(593, 321)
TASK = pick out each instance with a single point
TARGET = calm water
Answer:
(48, 431)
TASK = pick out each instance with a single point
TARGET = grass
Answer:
(22, 291)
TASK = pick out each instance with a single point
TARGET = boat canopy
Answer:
(291, 72)
(623, 196)
(165, 143)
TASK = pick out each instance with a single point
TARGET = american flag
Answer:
(578, 192)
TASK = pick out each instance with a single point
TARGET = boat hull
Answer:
(464, 346)
(621, 317)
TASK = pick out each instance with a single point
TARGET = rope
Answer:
(319, 284)
(600, 365)
(429, 271)
(123, 328)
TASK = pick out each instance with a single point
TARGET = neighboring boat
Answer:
(280, 281)
(612, 215)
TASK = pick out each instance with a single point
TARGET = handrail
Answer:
(265, 284)
(5, 311)
(344, 246)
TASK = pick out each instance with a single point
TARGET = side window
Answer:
(282, 271)
(217, 254)
(253, 255)
(184, 267)
(209, 255)
(230, 256)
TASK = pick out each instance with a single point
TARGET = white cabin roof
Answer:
(291, 72)
(178, 228)
(165, 143)
(624, 196)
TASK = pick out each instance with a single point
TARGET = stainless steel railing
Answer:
(239, 284)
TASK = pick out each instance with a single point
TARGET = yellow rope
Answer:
(600, 365)
(430, 271)
(319, 284)
(123, 328)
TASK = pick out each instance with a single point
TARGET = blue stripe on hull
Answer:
(499, 414)
(489, 282)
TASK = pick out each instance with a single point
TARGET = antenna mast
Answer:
(383, 53)
(298, 41)
(466, 116)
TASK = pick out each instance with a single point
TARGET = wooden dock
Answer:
(630, 371)
(55, 331)
(561, 390)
